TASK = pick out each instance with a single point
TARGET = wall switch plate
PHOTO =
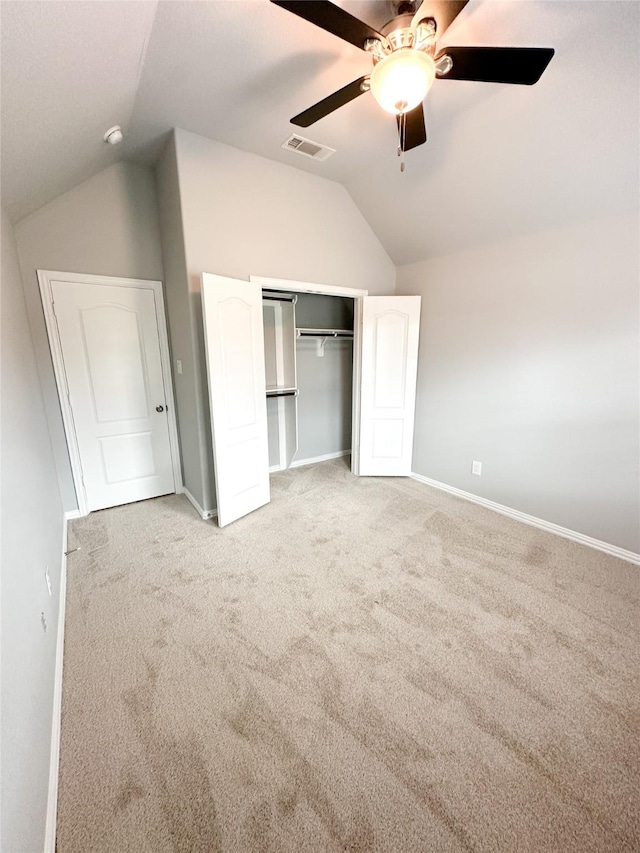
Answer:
(47, 578)
(476, 468)
(179, 366)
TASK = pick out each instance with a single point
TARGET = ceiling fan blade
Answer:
(416, 131)
(331, 18)
(523, 65)
(443, 12)
(329, 104)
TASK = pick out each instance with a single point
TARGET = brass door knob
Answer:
(159, 408)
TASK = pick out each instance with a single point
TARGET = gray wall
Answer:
(529, 363)
(324, 399)
(179, 312)
(107, 225)
(314, 311)
(244, 215)
(32, 527)
(325, 383)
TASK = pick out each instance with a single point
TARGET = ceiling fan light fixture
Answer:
(401, 80)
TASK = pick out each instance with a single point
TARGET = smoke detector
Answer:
(114, 135)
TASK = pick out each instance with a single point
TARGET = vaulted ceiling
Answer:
(500, 160)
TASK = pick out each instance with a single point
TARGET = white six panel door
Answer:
(111, 350)
(390, 332)
(234, 342)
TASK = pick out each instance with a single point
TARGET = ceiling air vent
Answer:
(308, 148)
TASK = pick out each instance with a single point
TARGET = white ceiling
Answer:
(70, 70)
(500, 160)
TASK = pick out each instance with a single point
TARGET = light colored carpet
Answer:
(363, 665)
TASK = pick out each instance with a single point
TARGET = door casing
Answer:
(45, 277)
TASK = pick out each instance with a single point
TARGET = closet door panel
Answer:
(234, 341)
(389, 361)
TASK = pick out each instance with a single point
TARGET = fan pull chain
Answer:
(402, 137)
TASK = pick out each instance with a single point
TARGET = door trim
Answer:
(356, 294)
(356, 386)
(285, 285)
(45, 277)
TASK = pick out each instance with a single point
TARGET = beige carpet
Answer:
(363, 665)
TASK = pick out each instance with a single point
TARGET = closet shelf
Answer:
(343, 334)
(321, 337)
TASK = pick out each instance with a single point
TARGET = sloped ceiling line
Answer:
(500, 160)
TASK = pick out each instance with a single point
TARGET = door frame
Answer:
(357, 295)
(45, 277)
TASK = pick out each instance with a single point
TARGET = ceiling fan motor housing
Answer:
(399, 34)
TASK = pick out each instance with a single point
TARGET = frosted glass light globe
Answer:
(400, 81)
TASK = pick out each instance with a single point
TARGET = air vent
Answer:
(308, 148)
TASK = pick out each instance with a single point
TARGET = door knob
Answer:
(159, 408)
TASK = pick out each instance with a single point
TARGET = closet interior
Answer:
(308, 347)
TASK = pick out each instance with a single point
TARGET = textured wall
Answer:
(243, 215)
(32, 526)
(176, 287)
(529, 364)
(107, 225)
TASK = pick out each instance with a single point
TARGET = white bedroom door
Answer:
(116, 388)
(389, 363)
(234, 343)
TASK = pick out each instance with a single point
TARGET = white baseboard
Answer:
(204, 514)
(613, 550)
(313, 459)
(73, 513)
(54, 761)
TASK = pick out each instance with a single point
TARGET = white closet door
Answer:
(390, 330)
(234, 340)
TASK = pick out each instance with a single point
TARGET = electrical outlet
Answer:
(476, 468)
(47, 578)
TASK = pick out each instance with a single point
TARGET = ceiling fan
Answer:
(406, 60)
